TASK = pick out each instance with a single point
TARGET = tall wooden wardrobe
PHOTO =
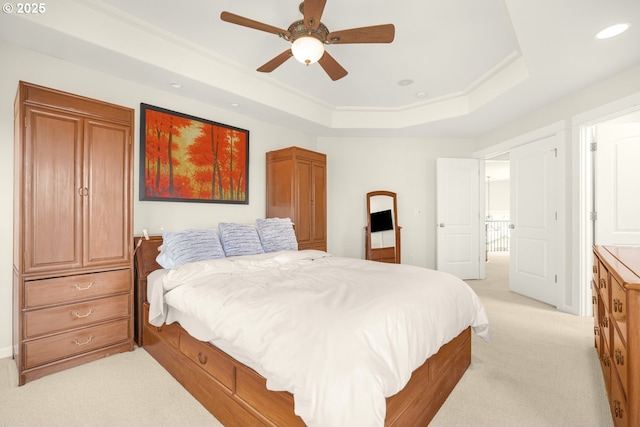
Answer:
(72, 255)
(297, 189)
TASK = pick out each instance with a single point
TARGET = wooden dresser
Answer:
(616, 309)
(296, 189)
(72, 257)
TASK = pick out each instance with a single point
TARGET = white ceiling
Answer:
(481, 63)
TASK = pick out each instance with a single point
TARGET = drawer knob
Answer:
(619, 357)
(617, 409)
(202, 358)
(80, 288)
(76, 342)
(617, 305)
(79, 316)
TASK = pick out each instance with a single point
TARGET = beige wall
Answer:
(19, 64)
(357, 166)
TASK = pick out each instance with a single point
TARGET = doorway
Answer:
(598, 222)
(616, 176)
(536, 212)
(497, 213)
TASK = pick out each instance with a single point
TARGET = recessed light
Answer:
(405, 82)
(234, 104)
(613, 30)
(421, 94)
(175, 85)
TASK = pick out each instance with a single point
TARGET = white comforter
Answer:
(340, 334)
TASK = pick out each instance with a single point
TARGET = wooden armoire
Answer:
(297, 189)
(72, 254)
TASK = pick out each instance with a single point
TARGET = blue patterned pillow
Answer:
(239, 239)
(277, 234)
(181, 247)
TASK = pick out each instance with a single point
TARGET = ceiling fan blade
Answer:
(276, 62)
(250, 23)
(331, 67)
(375, 34)
(313, 12)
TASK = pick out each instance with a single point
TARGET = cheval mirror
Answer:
(382, 242)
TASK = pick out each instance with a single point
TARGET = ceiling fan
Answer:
(308, 37)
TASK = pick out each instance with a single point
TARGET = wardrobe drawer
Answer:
(72, 316)
(68, 289)
(209, 358)
(49, 349)
(619, 306)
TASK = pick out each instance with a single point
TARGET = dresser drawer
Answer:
(605, 365)
(618, 404)
(49, 349)
(619, 306)
(603, 284)
(619, 359)
(209, 358)
(605, 327)
(595, 300)
(60, 290)
(61, 318)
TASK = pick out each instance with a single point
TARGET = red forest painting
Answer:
(185, 158)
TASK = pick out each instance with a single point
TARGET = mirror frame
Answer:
(389, 254)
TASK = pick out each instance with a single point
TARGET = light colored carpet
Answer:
(540, 369)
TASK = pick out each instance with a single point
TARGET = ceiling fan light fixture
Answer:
(307, 49)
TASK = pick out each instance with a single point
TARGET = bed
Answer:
(236, 389)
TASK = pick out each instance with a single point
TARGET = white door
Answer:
(457, 217)
(616, 188)
(533, 220)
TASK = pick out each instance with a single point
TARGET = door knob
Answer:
(512, 226)
(441, 225)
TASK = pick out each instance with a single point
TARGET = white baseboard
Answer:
(6, 352)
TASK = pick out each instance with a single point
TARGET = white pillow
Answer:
(277, 234)
(181, 247)
(239, 239)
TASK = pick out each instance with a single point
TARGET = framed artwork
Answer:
(188, 159)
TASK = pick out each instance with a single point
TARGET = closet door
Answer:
(106, 194)
(52, 190)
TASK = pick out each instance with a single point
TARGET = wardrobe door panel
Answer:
(319, 204)
(52, 200)
(305, 194)
(106, 230)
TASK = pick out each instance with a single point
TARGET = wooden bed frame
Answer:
(237, 396)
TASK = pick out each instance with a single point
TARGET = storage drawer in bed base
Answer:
(237, 396)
